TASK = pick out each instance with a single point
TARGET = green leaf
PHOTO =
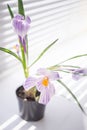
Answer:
(21, 8)
(74, 57)
(71, 58)
(75, 98)
(71, 66)
(10, 52)
(10, 11)
(43, 52)
(58, 67)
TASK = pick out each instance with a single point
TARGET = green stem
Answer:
(24, 63)
(27, 47)
(71, 66)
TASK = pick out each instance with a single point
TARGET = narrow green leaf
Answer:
(21, 7)
(65, 71)
(75, 98)
(71, 58)
(10, 52)
(10, 11)
(43, 52)
(74, 57)
(71, 66)
(58, 67)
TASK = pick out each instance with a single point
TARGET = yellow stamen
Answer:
(45, 81)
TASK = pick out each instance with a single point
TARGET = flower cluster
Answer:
(43, 81)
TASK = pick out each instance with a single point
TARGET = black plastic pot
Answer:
(30, 110)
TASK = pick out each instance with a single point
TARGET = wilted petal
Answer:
(49, 73)
(53, 75)
(29, 83)
(77, 74)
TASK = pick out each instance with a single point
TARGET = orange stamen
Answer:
(45, 81)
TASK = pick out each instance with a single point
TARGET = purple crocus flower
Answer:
(78, 73)
(43, 84)
(21, 26)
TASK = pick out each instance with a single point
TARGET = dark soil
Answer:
(21, 93)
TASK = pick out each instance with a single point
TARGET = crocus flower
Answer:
(43, 84)
(78, 73)
(21, 26)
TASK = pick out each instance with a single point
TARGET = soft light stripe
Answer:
(85, 106)
(82, 95)
(20, 125)
(47, 18)
(75, 90)
(8, 122)
(80, 86)
(32, 128)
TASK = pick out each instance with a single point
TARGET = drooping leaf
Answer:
(21, 8)
(43, 52)
(75, 98)
(10, 52)
(10, 11)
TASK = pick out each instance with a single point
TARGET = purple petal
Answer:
(28, 19)
(19, 17)
(78, 73)
(42, 71)
(21, 25)
(51, 90)
(46, 94)
(76, 77)
(50, 74)
(23, 42)
(29, 83)
(44, 97)
(39, 85)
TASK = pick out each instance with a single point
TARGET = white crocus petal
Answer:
(29, 83)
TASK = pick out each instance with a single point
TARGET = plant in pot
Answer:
(37, 91)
